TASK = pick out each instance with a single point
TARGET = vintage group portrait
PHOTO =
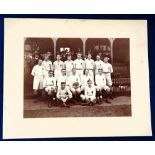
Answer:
(91, 74)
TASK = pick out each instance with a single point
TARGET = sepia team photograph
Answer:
(76, 77)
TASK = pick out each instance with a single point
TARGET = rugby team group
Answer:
(87, 82)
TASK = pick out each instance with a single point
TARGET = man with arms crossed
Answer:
(64, 95)
(89, 94)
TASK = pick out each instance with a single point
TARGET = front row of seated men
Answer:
(68, 90)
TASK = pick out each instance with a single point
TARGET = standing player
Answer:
(79, 65)
(98, 64)
(64, 95)
(38, 74)
(57, 67)
(89, 94)
(49, 85)
(69, 65)
(107, 70)
(47, 65)
(74, 84)
(62, 78)
(101, 87)
(89, 65)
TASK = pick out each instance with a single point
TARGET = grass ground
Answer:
(120, 106)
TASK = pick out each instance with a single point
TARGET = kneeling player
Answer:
(49, 85)
(89, 94)
(64, 95)
(101, 87)
(75, 84)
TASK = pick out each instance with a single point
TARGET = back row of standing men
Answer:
(98, 72)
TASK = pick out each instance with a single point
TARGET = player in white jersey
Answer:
(64, 95)
(98, 64)
(69, 65)
(89, 94)
(62, 78)
(101, 87)
(57, 67)
(89, 65)
(79, 65)
(49, 85)
(107, 70)
(85, 79)
(74, 83)
(47, 65)
(38, 74)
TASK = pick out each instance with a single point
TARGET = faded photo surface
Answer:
(75, 78)
(95, 71)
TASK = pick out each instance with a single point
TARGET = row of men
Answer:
(74, 77)
(65, 88)
(79, 64)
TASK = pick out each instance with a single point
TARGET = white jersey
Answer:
(58, 65)
(89, 64)
(62, 78)
(61, 93)
(85, 80)
(38, 71)
(99, 64)
(69, 65)
(79, 64)
(90, 92)
(49, 81)
(107, 68)
(47, 65)
(72, 79)
(100, 80)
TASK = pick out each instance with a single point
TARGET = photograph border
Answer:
(85, 16)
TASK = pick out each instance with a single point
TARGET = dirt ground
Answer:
(120, 106)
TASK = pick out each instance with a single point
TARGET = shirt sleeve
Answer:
(111, 69)
(33, 71)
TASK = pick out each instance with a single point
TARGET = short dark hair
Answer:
(50, 71)
(63, 83)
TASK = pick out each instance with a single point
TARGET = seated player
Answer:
(101, 87)
(49, 85)
(62, 78)
(89, 94)
(64, 95)
(74, 83)
(85, 79)
(38, 74)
